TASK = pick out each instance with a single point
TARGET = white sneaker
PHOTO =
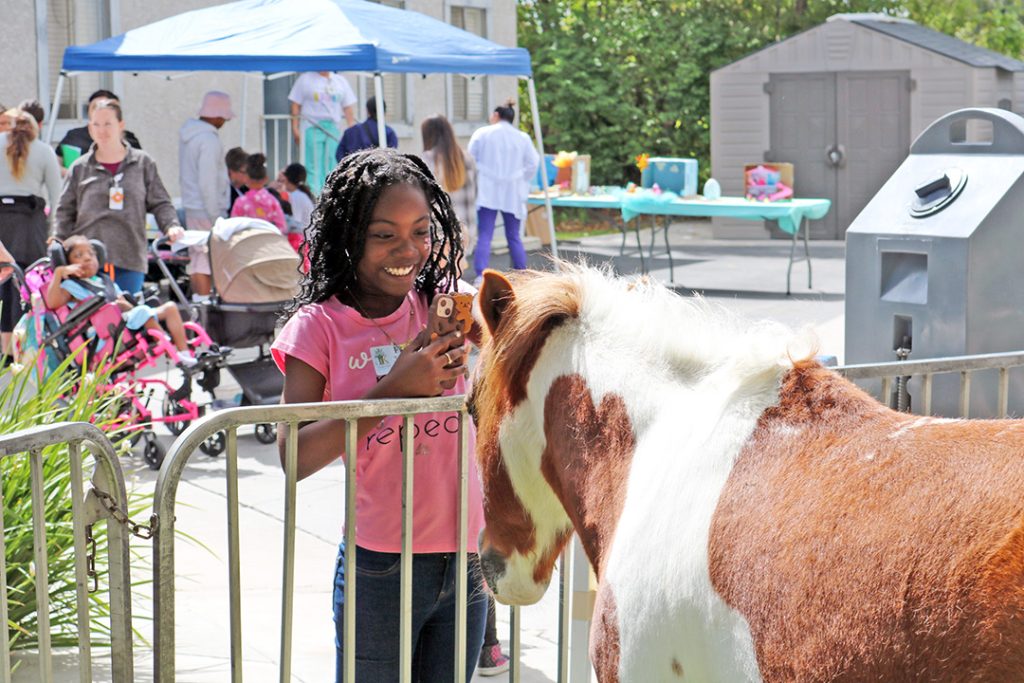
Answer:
(186, 359)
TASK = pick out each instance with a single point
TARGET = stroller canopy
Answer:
(252, 263)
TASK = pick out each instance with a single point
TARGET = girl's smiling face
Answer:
(397, 247)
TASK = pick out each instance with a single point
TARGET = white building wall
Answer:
(155, 107)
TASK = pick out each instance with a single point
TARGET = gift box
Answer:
(761, 181)
(671, 174)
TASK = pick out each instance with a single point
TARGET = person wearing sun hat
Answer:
(203, 176)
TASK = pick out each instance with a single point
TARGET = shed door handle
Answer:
(836, 155)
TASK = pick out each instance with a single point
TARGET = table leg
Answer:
(639, 245)
(807, 249)
(668, 250)
(653, 235)
(792, 252)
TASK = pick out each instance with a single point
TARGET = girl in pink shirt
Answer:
(382, 242)
(259, 201)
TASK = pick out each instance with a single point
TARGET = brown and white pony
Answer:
(750, 515)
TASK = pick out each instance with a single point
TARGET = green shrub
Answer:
(68, 394)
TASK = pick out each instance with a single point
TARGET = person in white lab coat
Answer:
(506, 161)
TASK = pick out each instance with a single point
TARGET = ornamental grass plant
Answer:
(68, 394)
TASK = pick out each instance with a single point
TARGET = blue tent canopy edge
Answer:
(300, 35)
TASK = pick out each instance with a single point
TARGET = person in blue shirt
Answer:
(364, 135)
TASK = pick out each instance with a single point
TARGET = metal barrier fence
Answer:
(108, 489)
(87, 509)
(897, 373)
(349, 411)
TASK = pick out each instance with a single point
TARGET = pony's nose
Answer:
(492, 564)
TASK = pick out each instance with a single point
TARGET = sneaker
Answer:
(186, 359)
(492, 661)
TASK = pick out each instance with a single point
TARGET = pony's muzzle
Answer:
(492, 563)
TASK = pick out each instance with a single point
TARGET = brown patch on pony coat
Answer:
(586, 460)
(859, 552)
(519, 324)
(605, 648)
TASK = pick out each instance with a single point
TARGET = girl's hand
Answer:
(74, 270)
(426, 370)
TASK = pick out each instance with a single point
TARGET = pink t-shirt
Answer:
(338, 342)
(260, 204)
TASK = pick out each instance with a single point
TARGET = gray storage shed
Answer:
(842, 102)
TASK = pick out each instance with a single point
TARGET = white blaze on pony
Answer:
(722, 488)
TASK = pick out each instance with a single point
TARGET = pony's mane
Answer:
(677, 335)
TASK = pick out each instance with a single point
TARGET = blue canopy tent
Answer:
(271, 36)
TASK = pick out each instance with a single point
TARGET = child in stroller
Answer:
(93, 329)
(80, 281)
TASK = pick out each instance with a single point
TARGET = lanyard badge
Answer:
(116, 197)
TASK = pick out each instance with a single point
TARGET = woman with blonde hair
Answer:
(107, 193)
(455, 171)
(28, 171)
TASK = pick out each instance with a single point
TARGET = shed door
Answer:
(803, 125)
(864, 117)
(873, 124)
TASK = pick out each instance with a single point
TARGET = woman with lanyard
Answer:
(107, 193)
(28, 172)
(318, 101)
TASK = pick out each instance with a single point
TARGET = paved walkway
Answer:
(748, 277)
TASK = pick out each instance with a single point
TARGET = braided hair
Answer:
(336, 236)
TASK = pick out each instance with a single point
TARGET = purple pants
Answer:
(485, 232)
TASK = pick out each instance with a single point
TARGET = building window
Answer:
(469, 93)
(75, 22)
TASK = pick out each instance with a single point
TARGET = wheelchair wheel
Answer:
(214, 445)
(153, 452)
(266, 433)
(172, 407)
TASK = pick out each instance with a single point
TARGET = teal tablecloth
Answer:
(789, 213)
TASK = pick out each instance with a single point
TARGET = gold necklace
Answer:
(398, 347)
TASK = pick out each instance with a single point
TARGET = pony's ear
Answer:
(495, 294)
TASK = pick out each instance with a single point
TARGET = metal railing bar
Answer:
(186, 445)
(291, 470)
(887, 383)
(81, 572)
(461, 568)
(349, 615)
(984, 361)
(42, 576)
(926, 389)
(234, 558)
(1004, 392)
(515, 645)
(405, 599)
(109, 477)
(965, 393)
(564, 615)
(5, 651)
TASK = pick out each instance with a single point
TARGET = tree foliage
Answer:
(616, 78)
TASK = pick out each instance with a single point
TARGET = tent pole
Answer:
(543, 166)
(55, 107)
(378, 92)
(245, 105)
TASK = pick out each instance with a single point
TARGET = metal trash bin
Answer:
(934, 261)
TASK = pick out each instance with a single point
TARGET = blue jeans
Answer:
(485, 232)
(130, 281)
(378, 590)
